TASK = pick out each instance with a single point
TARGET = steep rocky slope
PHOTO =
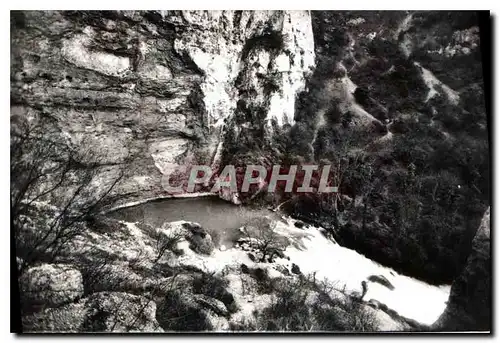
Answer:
(469, 305)
(397, 101)
(120, 277)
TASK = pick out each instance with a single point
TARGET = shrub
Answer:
(303, 304)
(261, 233)
(53, 189)
(288, 310)
(215, 287)
(164, 242)
(176, 313)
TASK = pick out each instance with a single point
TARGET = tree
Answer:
(344, 157)
(261, 234)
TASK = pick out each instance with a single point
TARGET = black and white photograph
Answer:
(250, 171)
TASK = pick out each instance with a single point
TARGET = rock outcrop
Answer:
(50, 285)
(469, 305)
(100, 312)
(111, 278)
(196, 312)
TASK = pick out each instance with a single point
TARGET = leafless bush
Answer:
(358, 319)
(164, 242)
(95, 270)
(55, 189)
(288, 310)
(261, 234)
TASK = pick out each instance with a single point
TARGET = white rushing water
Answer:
(309, 249)
(410, 297)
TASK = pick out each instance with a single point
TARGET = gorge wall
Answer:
(155, 90)
(469, 305)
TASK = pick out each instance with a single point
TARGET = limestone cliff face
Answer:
(160, 88)
(469, 305)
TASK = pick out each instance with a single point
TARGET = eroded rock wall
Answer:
(469, 305)
(154, 90)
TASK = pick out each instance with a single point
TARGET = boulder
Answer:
(199, 239)
(282, 269)
(192, 312)
(50, 285)
(381, 280)
(100, 312)
(245, 269)
(299, 224)
(218, 323)
(201, 245)
(374, 303)
(296, 269)
(179, 312)
(68, 318)
(195, 229)
(211, 304)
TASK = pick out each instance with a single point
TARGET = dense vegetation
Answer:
(414, 183)
(308, 305)
(424, 191)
